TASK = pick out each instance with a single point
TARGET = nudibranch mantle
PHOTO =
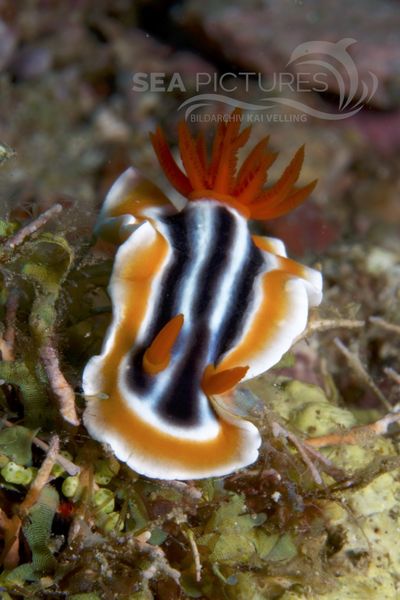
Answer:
(199, 304)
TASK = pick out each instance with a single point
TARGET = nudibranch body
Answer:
(199, 305)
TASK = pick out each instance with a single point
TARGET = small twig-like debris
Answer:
(160, 563)
(196, 554)
(355, 362)
(150, 572)
(358, 434)
(318, 456)
(188, 489)
(11, 527)
(33, 227)
(59, 385)
(381, 426)
(394, 375)
(84, 515)
(80, 527)
(144, 536)
(263, 472)
(70, 467)
(278, 431)
(328, 383)
(385, 324)
(8, 339)
(320, 325)
(42, 477)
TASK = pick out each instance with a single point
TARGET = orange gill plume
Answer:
(218, 178)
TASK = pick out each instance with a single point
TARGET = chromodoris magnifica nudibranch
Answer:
(199, 305)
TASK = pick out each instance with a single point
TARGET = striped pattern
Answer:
(242, 304)
(213, 259)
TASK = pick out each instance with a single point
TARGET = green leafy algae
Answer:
(16, 443)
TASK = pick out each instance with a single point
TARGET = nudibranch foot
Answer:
(150, 451)
(199, 306)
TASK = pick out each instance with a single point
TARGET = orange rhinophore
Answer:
(199, 306)
(217, 382)
(158, 354)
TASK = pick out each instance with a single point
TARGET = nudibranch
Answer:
(199, 305)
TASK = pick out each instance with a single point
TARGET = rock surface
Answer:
(261, 36)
